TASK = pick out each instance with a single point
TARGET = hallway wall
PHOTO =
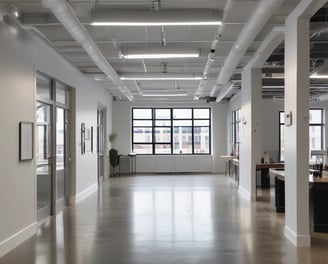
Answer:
(21, 54)
(270, 124)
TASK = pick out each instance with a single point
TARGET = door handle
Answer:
(50, 161)
(69, 162)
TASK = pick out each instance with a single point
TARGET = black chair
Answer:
(114, 159)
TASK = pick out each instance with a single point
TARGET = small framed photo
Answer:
(26, 140)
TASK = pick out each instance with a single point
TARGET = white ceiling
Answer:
(111, 40)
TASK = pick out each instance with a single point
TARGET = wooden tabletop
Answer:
(281, 176)
(227, 157)
(280, 165)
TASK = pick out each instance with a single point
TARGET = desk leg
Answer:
(265, 178)
(280, 195)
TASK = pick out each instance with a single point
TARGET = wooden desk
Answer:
(265, 176)
(318, 191)
(228, 159)
(235, 163)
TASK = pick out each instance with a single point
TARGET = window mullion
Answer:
(192, 132)
(153, 130)
(171, 118)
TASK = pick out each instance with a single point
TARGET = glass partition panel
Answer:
(43, 160)
(62, 94)
(60, 153)
(43, 86)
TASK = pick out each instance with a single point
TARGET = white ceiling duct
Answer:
(321, 98)
(227, 88)
(65, 14)
(211, 54)
(9, 9)
(260, 16)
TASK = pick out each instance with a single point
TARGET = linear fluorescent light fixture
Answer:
(160, 56)
(163, 17)
(164, 52)
(165, 95)
(160, 76)
(317, 76)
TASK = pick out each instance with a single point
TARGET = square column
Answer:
(297, 132)
(250, 134)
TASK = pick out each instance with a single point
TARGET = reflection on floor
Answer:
(167, 219)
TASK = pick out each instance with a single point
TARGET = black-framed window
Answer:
(235, 131)
(171, 130)
(316, 126)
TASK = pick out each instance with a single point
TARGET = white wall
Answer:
(175, 163)
(270, 127)
(22, 53)
(234, 104)
(270, 124)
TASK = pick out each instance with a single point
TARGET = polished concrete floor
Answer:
(167, 219)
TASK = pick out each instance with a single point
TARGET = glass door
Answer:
(63, 160)
(43, 159)
(101, 143)
(52, 146)
(61, 156)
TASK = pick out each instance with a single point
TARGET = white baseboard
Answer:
(244, 193)
(85, 193)
(297, 240)
(11, 242)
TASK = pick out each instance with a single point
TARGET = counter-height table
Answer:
(228, 160)
(318, 192)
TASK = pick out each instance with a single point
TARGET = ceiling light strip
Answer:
(161, 56)
(163, 17)
(315, 76)
(196, 78)
(163, 95)
(149, 24)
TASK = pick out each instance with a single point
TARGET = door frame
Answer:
(70, 168)
(103, 109)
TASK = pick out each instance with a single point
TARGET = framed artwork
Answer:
(82, 138)
(91, 139)
(26, 140)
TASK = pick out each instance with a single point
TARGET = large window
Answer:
(316, 126)
(171, 130)
(235, 131)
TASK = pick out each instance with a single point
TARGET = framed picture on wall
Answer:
(25, 140)
(82, 138)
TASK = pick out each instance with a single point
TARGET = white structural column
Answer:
(250, 134)
(297, 133)
(251, 101)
